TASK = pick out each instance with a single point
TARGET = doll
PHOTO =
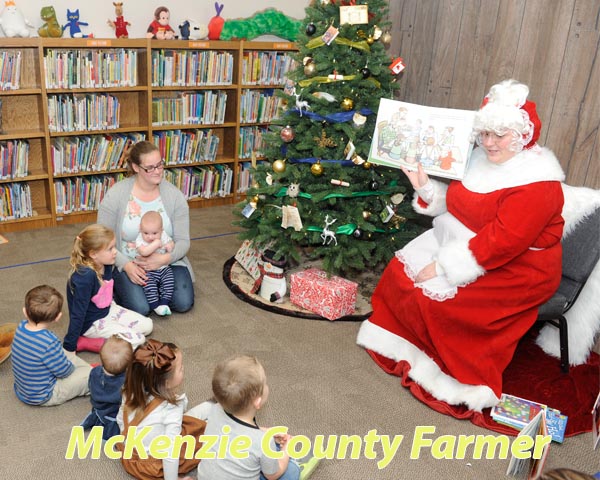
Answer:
(160, 28)
(119, 24)
(13, 23)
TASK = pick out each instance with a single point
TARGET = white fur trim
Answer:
(438, 205)
(528, 166)
(458, 262)
(424, 370)
(583, 318)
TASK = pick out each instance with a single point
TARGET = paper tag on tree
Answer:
(291, 217)
(354, 14)
(330, 34)
(248, 210)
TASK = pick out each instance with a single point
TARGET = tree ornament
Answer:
(357, 233)
(310, 69)
(386, 39)
(367, 165)
(255, 199)
(311, 29)
(358, 120)
(287, 134)
(374, 185)
(255, 185)
(328, 236)
(279, 166)
(370, 40)
(316, 169)
(366, 214)
(365, 72)
(377, 32)
(347, 104)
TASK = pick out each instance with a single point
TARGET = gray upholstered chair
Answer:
(581, 252)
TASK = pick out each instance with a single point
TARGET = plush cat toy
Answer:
(73, 24)
(51, 28)
(13, 22)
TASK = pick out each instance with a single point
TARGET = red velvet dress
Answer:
(472, 336)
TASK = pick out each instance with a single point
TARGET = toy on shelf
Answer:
(51, 27)
(268, 22)
(119, 24)
(160, 28)
(193, 30)
(12, 21)
(73, 24)
(215, 25)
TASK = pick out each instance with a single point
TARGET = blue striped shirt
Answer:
(38, 360)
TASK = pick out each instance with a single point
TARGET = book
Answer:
(596, 422)
(515, 411)
(537, 429)
(407, 134)
(557, 424)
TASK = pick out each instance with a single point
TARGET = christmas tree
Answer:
(316, 193)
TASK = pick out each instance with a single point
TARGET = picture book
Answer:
(515, 411)
(537, 429)
(437, 138)
(557, 424)
(596, 422)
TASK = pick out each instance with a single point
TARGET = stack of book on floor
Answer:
(518, 412)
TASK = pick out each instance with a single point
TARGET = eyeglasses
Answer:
(151, 168)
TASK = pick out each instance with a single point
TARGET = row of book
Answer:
(259, 106)
(81, 194)
(244, 177)
(266, 68)
(83, 68)
(15, 201)
(14, 159)
(203, 181)
(91, 153)
(251, 141)
(178, 147)
(191, 68)
(78, 112)
(10, 69)
(206, 108)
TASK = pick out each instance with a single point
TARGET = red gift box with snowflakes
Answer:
(332, 297)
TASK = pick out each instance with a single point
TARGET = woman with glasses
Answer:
(452, 305)
(122, 209)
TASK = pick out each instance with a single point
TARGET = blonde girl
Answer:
(152, 398)
(93, 315)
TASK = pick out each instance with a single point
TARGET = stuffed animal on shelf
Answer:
(215, 25)
(160, 28)
(193, 30)
(12, 21)
(73, 24)
(119, 24)
(51, 27)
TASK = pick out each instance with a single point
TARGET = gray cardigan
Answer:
(114, 206)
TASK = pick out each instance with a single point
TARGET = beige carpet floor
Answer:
(321, 382)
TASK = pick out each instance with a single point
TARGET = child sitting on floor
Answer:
(160, 283)
(94, 316)
(44, 375)
(240, 388)
(105, 384)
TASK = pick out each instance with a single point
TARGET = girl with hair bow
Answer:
(152, 398)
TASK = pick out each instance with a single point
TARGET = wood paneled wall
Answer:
(455, 50)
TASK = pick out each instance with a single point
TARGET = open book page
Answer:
(534, 463)
(438, 138)
(596, 422)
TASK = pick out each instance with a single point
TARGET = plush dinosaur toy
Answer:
(51, 28)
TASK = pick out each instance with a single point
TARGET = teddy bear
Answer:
(12, 21)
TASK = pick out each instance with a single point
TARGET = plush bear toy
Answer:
(13, 23)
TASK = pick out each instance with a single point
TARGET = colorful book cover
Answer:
(515, 411)
(557, 423)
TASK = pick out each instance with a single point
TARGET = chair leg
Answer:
(564, 344)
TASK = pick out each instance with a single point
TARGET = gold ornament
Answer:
(316, 169)
(386, 39)
(366, 214)
(347, 104)
(255, 199)
(279, 166)
(310, 69)
(367, 165)
(370, 40)
(255, 185)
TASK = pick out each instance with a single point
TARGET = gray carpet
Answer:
(321, 382)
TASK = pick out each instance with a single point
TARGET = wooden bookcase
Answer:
(29, 115)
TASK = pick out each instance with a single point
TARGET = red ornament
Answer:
(287, 134)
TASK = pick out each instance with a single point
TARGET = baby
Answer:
(160, 283)
(105, 384)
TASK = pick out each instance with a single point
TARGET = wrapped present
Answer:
(331, 298)
(248, 256)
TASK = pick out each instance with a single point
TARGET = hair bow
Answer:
(158, 353)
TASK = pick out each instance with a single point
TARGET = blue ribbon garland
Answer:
(338, 117)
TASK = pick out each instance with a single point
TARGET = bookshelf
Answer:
(81, 102)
